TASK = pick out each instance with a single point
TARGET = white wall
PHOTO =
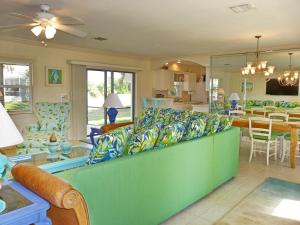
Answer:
(58, 57)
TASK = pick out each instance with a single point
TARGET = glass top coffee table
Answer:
(77, 157)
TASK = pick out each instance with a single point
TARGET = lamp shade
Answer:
(112, 101)
(9, 134)
(234, 97)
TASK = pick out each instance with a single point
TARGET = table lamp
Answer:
(9, 136)
(112, 102)
(234, 98)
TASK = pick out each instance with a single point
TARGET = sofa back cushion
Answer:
(194, 128)
(212, 123)
(111, 145)
(143, 141)
(170, 134)
(146, 119)
(225, 123)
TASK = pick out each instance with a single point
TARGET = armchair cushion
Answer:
(33, 127)
(52, 116)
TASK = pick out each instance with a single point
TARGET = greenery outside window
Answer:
(16, 87)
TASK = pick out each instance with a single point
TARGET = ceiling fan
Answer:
(46, 23)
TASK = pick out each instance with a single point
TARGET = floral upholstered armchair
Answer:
(51, 117)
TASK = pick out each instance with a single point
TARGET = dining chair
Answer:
(256, 111)
(287, 140)
(262, 136)
(279, 117)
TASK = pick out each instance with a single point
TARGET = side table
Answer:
(23, 207)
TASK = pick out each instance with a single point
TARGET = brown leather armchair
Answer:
(68, 206)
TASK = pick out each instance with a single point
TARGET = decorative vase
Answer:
(66, 148)
(52, 147)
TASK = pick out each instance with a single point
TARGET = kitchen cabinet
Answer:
(189, 83)
(164, 79)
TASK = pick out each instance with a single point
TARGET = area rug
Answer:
(274, 202)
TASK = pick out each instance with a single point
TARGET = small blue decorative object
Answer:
(112, 114)
(66, 148)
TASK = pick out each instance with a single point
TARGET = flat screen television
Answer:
(274, 88)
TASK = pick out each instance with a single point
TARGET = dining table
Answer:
(278, 126)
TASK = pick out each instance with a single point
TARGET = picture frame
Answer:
(54, 76)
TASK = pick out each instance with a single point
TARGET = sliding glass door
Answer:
(100, 84)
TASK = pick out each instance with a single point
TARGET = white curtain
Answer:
(79, 102)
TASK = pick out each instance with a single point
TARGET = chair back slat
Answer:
(258, 109)
(237, 113)
(284, 117)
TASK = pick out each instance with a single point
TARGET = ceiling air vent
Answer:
(242, 8)
(100, 38)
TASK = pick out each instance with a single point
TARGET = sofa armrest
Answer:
(64, 199)
(108, 127)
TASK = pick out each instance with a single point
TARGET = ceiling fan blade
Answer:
(18, 25)
(67, 20)
(22, 16)
(71, 30)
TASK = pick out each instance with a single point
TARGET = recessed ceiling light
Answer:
(166, 63)
(242, 8)
(178, 61)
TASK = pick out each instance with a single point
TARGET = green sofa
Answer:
(150, 187)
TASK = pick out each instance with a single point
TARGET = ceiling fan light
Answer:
(50, 32)
(37, 30)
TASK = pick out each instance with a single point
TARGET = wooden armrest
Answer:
(109, 127)
(67, 204)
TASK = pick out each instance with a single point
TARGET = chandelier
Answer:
(258, 66)
(289, 77)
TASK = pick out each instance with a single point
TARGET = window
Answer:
(15, 86)
(100, 84)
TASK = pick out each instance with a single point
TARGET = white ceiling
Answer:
(166, 28)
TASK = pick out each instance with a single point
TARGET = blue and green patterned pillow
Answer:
(142, 141)
(194, 128)
(146, 120)
(164, 116)
(111, 145)
(212, 124)
(225, 123)
(170, 134)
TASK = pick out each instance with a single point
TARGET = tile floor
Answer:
(211, 208)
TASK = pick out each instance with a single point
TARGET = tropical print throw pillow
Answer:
(143, 141)
(212, 123)
(225, 123)
(171, 134)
